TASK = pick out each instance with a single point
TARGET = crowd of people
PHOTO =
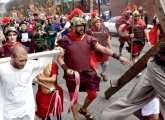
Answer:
(74, 34)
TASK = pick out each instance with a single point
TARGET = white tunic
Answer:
(152, 107)
(16, 93)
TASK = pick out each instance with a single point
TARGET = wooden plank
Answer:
(133, 71)
(35, 55)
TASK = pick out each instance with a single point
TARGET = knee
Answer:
(121, 45)
(91, 95)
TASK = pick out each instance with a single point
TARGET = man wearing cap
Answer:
(77, 48)
(103, 36)
(16, 92)
(11, 36)
(25, 37)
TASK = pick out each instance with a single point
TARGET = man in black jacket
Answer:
(25, 36)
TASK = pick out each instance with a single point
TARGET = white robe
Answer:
(16, 93)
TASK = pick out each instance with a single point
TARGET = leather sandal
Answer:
(104, 77)
(88, 115)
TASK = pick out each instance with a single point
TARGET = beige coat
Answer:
(151, 83)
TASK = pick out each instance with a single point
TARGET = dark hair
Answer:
(43, 47)
(35, 14)
(160, 55)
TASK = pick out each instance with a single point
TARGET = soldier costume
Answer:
(103, 36)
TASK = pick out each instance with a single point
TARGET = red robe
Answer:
(6, 49)
(43, 100)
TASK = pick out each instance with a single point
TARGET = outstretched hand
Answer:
(61, 50)
(124, 60)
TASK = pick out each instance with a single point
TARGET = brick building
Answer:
(117, 6)
(84, 5)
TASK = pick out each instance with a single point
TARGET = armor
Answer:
(101, 37)
(139, 32)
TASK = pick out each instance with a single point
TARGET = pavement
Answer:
(114, 71)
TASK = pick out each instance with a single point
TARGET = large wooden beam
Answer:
(133, 71)
(34, 55)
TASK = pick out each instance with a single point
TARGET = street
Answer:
(115, 70)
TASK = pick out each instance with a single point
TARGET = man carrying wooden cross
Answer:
(150, 85)
(16, 93)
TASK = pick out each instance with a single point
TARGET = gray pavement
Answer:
(114, 71)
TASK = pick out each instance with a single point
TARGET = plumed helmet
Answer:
(134, 8)
(128, 13)
(129, 10)
(136, 13)
(11, 29)
(75, 13)
(140, 8)
(94, 14)
(6, 20)
(96, 19)
(69, 17)
(76, 21)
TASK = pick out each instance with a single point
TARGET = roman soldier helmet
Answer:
(76, 21)
(75, 13)
(94, 14)
(127, 13)
(11, 29)
(96, 19)
(136, 13)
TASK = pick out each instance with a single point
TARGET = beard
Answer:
(81, 32)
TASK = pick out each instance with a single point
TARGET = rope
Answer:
(57, 104)
(49, 106)
(57, 109)
(75, 97)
